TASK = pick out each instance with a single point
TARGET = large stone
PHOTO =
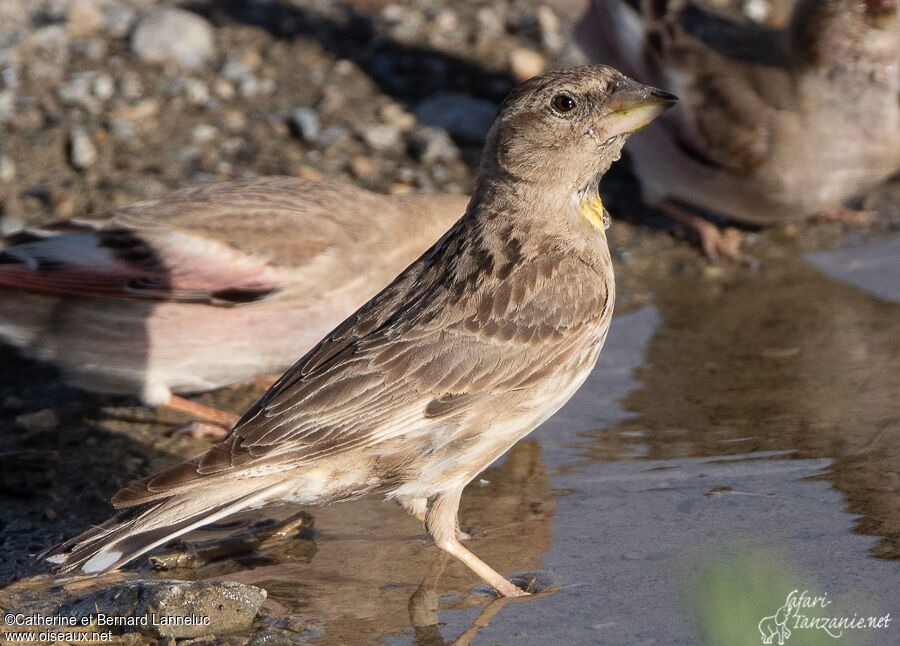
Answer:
(462, 116)
(178, 609)
(176, 36)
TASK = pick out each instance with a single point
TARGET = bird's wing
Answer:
(79, 259)
(224, 243)
(731, 75)
(421, 354)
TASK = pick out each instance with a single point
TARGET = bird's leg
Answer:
(441, 525)
(712, 240)
(217, 423)
(418, 506)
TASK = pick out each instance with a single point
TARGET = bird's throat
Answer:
(593, 211)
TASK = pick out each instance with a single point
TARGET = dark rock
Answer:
(175, 609)
(460, 115)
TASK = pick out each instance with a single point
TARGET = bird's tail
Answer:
(139, 529)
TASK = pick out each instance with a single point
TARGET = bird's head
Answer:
(561, 130)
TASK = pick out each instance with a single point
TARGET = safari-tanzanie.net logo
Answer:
(804, 611)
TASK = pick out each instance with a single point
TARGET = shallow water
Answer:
(736, 441)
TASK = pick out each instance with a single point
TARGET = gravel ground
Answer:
(107, 102)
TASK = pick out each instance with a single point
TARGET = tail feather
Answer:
(138, 530)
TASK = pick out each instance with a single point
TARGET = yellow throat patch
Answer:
(593, 211)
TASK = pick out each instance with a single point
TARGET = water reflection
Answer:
(374, 568)
(790, 361)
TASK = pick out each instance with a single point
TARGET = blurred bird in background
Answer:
(773, 125)
(208, 286)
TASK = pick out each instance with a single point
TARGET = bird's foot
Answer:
(215, 423)
(851, 217)
(714, 242)
(200, 430)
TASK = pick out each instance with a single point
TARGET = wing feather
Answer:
(418, 357)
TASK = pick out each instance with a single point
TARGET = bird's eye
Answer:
(562, 103)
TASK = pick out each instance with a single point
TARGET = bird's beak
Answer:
(633, 106)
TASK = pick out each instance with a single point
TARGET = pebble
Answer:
(757, 10)
(7, 169)
(380, 136)
(223, 89)
(525, 63)
(431, 145)
(84, 16)
(122, 128)
(82, 153)
(118, 19)
(460, 115)
(196, 91)
(204, 133)
(551, 29)
(77, 92)
(305, 123)
(176, 36)
(42, 420)
(103, 87)
(7, 105)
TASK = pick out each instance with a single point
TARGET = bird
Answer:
(211, 285)
(774, 125)
(469, 349)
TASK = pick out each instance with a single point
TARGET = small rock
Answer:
(84, 16)
(757, 10)
(7, 105)
(122, 128)
(361, 166)
(305, 124)
(395, 115)
(234, 120)
(196, 91)
(77, 92)
(118, 19)
(7, 169)
(103, 87)
(204, 133)
(174, 35)
(431, 145)
(331, 135)
(131, 87)
(42, 420)
(82, 153)
(551, 32)
(446, 20)
(460, 115)
(223, 89)
(525, 63)
(205, 606)
(380, 136)
(490, 25)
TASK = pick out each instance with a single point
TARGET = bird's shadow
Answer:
(407, 73)
(58, 473)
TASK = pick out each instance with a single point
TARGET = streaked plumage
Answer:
(468, 350)
(210, 285)
(773, 125)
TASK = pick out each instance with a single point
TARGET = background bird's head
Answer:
(563, 129)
